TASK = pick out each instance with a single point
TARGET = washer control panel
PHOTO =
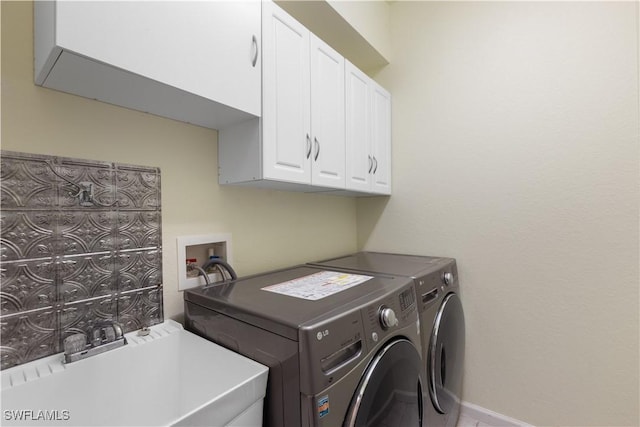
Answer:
(389, 314)
(331, 348)
(388, 317)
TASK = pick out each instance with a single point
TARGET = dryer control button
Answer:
(374, 336)
(448, 278)
(388, 317)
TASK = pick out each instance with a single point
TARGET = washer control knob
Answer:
(388, 317)
(448, 278)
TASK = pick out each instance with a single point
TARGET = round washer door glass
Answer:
(446, 355)
(390, 391)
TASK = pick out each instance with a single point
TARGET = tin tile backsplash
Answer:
(80, 243)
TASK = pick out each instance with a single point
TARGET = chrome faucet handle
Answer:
(96, 336)
(109, 334)
(105, 332)
(117, 328)
(75, 343)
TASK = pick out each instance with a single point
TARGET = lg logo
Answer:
(322, 334)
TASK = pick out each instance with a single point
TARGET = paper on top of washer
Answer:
(318, 285)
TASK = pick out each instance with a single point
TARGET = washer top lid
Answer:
(247, 299)
(395, 264)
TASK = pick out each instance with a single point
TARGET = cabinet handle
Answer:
(254, 42)
(308, 146)
(370, 163)
(317, 148)
(375, 161)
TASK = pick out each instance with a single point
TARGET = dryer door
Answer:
(446, 355)
(390, 391)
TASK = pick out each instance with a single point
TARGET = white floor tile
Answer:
(465, 421)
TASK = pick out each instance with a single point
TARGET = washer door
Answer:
(446, 355)
(390, 391)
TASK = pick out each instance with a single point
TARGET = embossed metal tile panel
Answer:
(80, 243)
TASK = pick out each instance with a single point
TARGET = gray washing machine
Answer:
(441, 322)
(342, 349)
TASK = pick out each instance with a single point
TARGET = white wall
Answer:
(515, 136)
(270, 229)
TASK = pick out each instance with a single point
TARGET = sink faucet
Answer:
(101, 337)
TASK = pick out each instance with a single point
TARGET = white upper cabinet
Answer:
(327, 115)
(291, 112)
(380, 139)
(358, 129)
(197, 62)
(299, 141)
(286, 117)
(303, 104)
(368, 133)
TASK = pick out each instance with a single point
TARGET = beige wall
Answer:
(269, 229)
(370, 19)
(515, 136)
(515, 151)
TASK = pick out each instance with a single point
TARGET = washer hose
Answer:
(220, 264)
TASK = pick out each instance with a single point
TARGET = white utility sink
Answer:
(169, 378)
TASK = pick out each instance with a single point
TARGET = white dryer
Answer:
(441, 322)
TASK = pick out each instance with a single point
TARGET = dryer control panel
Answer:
(436, 284)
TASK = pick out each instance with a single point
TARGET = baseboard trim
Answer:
(489, 417)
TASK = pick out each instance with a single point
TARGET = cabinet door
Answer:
(205, 48)
(380, 139)
(359, 162)
(286, 133)
(327, 115)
